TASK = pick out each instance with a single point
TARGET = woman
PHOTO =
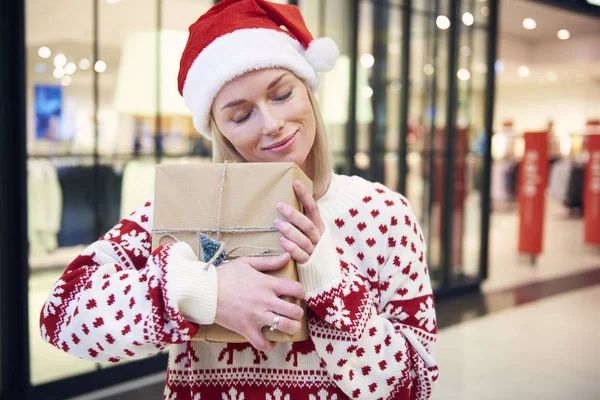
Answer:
(248, 74)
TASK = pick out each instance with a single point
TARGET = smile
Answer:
(284, 144)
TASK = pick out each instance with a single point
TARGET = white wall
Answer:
(569, 106)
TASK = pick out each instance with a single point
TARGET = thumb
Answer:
(269, 263)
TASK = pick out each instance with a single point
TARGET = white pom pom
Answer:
(322, 54)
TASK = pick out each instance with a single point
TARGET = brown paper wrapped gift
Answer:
(234, 204)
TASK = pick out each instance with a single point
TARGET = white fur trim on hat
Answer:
(234, 54)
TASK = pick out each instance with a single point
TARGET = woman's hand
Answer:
(248, 300)
(301, 233)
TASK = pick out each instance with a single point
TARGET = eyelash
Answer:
(280, 99)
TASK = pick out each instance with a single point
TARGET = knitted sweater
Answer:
(370, 309)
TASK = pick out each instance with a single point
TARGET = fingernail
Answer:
(297, 184)
(280, 206)
(277, 222)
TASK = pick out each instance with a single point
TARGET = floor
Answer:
(529, 334)
(547, 349)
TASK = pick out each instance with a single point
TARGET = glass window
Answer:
(427, 102)
(470, 148)
(83, 149)
(331, 19)
(60, 114)
(393, 97)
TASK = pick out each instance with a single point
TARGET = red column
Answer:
(591, 199)
(533, 177)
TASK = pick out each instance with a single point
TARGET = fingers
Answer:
(287, 309)
(287, 287)
(310, 205)
(300, 221)
(268, 263)
(285, 325)
(293, 234)
(258, 341)
(297, 253)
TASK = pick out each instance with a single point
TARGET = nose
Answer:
(272, 123)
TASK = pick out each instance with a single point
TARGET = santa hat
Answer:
(238, 36)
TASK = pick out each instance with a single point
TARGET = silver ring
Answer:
(275, 323)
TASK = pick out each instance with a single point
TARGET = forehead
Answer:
(251, 83)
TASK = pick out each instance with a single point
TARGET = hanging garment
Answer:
(137, 184)
(574, 197)
(44, 207)
(560, 174)
(91, 203)
(501, 184)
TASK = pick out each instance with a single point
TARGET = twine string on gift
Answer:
(260, 251)
(221, 191)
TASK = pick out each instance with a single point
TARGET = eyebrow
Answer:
(240, 101)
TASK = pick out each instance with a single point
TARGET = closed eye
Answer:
(243, 119)
(285, 96)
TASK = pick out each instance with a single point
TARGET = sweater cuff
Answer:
(193, 285)
(323, 268)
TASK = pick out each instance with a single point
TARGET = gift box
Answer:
(232, 205)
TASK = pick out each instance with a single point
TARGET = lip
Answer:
(283, 144)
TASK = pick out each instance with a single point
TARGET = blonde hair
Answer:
(320, 158)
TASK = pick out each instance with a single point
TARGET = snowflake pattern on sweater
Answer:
(370, 309)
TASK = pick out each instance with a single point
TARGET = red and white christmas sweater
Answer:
(371, 309)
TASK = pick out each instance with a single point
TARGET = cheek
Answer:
(245, 141)
(310, 122)
(302, 111)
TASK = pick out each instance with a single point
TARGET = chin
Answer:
(295, 158)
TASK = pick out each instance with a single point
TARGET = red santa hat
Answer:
(238, 36)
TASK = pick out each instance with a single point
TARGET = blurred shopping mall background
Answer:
(437, 99)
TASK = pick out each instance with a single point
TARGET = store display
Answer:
(532, 192)
(592, 192)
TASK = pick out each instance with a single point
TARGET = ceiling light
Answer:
(463, 74)
(468, 19)
(551, 76)
(362, 160)
(100, 66)
(44, 52)
(442, 22)
(84, 64)
(60, 60)
(428, 69)
(524, 71)
(70, 68)
(563, 34)
(112, 1)
(367, 60)
(367, 92)
(529, 24)
(594, 2)
(59, 72)
(66, 80)
(499, 67)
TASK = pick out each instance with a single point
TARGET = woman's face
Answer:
(267, 116)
